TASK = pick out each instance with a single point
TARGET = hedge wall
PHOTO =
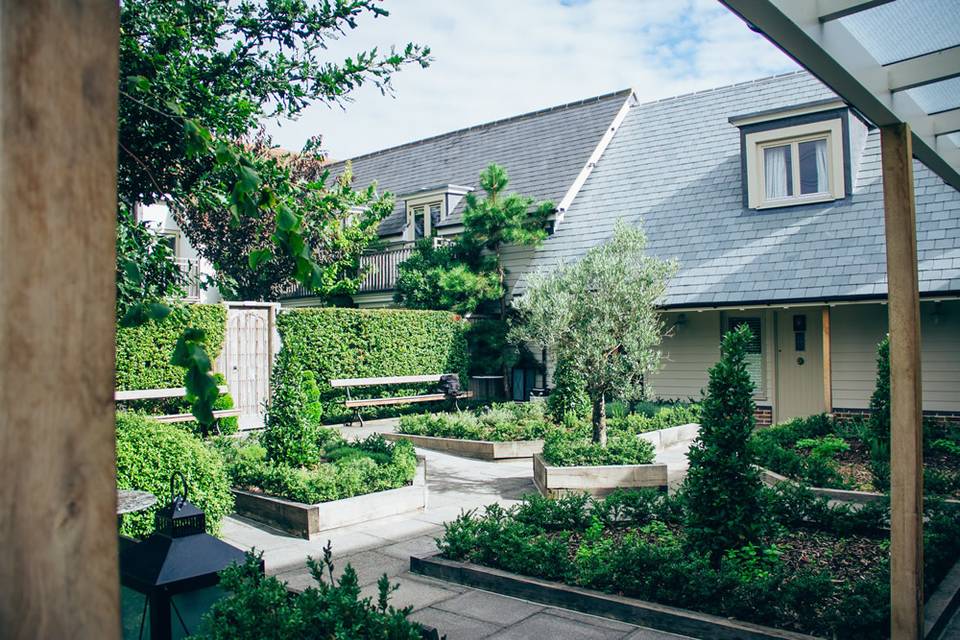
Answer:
(358, 343)
(143, 353)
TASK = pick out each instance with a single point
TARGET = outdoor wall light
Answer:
(171, 579)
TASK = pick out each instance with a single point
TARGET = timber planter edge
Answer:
(309, 520)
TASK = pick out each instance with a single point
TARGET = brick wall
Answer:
(764, 415)
(942, 416)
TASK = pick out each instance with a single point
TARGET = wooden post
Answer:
(58, 193)
(827, 367)
(906, 444)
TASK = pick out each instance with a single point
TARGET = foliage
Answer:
(437, 277)
(143, 352)
(722, 487)
(293, 435)
(499, 423)
(599, 316)
(880, 400)
(331, 226)
(631, 543)
(571, 449)
(805, 449)
(490, 351)
(464, 274)
(149, 452)
(568, 399)
(145, 266)
(197, 77)
(372, 465)
(653, 417)
(259, 607)
(359, 343)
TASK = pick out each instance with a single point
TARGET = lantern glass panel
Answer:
(133, 614)
(191, 606)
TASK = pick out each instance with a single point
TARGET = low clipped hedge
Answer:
(506, 422)
(358, 343)
(143, 353)
(342, 470)
(576, 449)
(149, 452)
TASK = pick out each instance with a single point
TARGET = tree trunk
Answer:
(600, 421)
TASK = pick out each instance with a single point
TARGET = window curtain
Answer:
(823, 178)
(775, 171)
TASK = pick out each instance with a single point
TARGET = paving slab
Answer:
(415, 591)
(548, 625)
(455, 626)
(490, 606)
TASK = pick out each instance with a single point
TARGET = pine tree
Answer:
(722, 488)
(880, 400)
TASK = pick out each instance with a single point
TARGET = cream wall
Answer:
(855, 332)
(693, 346)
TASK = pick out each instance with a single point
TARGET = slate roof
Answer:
(543, 153)
(675, 165)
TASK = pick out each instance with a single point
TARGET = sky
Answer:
(499, 58)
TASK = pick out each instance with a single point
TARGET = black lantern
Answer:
(170, 579)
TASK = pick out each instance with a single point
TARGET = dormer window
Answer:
(795, 156)
(422, 219)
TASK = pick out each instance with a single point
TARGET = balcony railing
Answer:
(382, 269)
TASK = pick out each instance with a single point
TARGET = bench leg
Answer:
(359, 418)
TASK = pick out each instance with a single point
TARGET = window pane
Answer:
(777, 169)
(418, 223)
(814, 176)
(434, 215)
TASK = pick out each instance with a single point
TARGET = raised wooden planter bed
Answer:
(553, 482)
(771, 478)
(309, 520)
(480, 449)
(939, 608)
(664, 438)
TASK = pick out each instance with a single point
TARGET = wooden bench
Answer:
(355, 404)
(178, 392)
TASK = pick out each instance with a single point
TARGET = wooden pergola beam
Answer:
(906, 431)
(58, 191)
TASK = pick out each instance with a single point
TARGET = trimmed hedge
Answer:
(341, 470)
(357, 343)
(504, 422)
(143, 353)
(148, 452)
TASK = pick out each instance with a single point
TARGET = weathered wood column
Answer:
(906, 438)
(58, 142)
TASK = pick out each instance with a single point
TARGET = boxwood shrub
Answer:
(506, 422)
(358, 343)
(143, 353)
(341, 471)
(149, 452)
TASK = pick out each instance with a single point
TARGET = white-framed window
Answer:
(795, 165)
(422, 219)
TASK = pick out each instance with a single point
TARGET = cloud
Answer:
(499, 58)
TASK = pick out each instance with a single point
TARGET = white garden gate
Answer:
(247, 358)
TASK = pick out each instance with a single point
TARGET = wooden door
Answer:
(799, 372)
(246, 359)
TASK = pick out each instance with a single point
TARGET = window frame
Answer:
(756, 142)
(422, 205)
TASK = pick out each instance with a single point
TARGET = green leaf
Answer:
(247, 178)
(174, 107)
(158, 311)
(138, 83)
(286, 220)
(258, 257)
(135, 316)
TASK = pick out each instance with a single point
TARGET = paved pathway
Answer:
(385, 546)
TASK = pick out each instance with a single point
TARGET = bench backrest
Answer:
(156, 394)
(370, 382)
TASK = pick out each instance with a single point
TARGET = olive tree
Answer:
(599, 316)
